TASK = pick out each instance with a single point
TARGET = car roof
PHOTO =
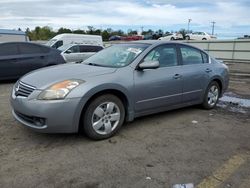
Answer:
(81, 44)
(30, 43)
(158, 42)
(24, 43)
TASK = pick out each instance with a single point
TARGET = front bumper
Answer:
(51, 116)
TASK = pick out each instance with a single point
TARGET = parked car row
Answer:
(126, 38)
(19, 58)
(168, 37)
(189, 36)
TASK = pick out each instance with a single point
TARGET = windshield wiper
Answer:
(94, 64)
(78, 61)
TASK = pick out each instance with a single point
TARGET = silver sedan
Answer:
(118, 84)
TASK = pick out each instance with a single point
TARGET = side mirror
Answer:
(149, 65)
(68, 52)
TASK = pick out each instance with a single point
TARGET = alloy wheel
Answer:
(105, 118)
(213, 95)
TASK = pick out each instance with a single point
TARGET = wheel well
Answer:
(220, 84)
(114, 92)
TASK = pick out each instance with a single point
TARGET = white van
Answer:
(7, 35)
(65, 39)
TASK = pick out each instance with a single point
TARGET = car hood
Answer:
(45, 77)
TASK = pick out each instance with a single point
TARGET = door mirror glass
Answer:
(149, 65)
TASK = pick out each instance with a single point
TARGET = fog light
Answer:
(39, 121)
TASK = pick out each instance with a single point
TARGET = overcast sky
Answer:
(232, 17)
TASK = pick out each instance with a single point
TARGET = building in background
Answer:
(7, 35)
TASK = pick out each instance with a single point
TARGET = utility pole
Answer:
(213, 23)
(142, 29)
(189, 20)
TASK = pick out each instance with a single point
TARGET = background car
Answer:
(78, 52)
(199, 36)
(172, 36)
(148, 37)
(115, 37)
(19, 58)
(118, 84)
(133, 37)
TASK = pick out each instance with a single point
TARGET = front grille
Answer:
(23, 90)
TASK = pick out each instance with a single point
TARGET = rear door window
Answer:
(30, 49)
(190, 55)
(8, 49)
(86, 48)
(97, 48)
(45, 49)
(74, 49)
(205, 57)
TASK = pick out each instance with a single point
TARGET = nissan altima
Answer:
(118, 84)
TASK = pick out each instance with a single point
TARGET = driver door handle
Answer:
(208, 70)
(177, 76)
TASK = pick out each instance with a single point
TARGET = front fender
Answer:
(102, 88)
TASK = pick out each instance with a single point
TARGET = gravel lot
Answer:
(180, 146)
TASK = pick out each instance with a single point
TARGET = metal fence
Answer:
(226, 50)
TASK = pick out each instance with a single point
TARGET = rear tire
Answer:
(103, 117)
(211, 96)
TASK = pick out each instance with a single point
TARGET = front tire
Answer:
(211, 96)
(103, 117)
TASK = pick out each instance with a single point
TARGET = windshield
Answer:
(51, 42)
(119, 55)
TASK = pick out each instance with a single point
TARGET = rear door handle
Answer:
(208, 70)
(177, 76)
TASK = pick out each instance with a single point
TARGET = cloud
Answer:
(80, 13)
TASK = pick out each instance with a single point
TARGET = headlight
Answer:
(59, 90)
